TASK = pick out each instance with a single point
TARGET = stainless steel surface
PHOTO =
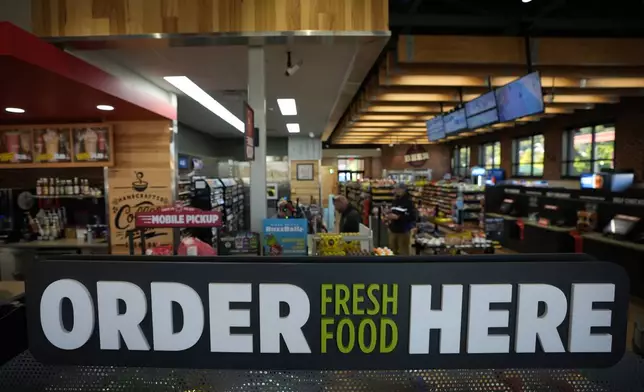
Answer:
(25, 374)
(106, 194)
(241, 38)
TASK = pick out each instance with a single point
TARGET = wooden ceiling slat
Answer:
(511, 50)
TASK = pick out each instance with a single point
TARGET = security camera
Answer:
(291, 68)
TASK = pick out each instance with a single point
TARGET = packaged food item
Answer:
(195, 247)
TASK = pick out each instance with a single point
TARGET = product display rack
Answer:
(208, 195)
(444, 198)
(382, 194)
(233, 204)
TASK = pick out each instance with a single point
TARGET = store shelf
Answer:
(68, 197)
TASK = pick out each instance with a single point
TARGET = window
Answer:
(528, 157)
(588, 150)
(491, 155)
(461, 161)
(350, 169)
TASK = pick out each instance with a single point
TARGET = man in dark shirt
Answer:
(350, 220)
(402, 219)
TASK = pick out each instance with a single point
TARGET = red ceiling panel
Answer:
(54, 86)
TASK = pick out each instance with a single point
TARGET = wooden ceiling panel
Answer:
(428, 75)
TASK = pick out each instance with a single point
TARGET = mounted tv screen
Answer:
(481, 104)
(455, 121)
(435, 129)
(483, 119)
(523, 97)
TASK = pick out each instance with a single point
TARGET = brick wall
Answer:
(628, 117)
(393, 158)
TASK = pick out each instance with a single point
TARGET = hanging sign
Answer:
(328, 313)
(249, 132)
(416, 156)
(176, 217)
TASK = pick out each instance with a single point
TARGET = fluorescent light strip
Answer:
(287, 106)
(188, 87)
(293, 128)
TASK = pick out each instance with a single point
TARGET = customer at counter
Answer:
(350, 220)
(402, 219)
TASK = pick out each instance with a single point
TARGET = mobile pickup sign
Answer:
(328, 313)
(177, 216)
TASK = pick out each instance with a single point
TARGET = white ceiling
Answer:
(323, 87)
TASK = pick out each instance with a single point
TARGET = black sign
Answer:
(239, 243)
(318, 313)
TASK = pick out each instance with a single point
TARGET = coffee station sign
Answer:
(132, 193)
(60, 145)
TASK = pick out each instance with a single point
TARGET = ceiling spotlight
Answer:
(293, 128)
(378, 149)
(15, 110)
(526, 1)
(106, 108)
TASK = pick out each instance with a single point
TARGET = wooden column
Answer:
(141, 179)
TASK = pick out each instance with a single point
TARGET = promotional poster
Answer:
(132, 192)
(285, 237)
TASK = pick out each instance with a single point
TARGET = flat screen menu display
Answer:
(455, 121)
(481, 104)
(483, 119)
(435, 129)
(520, 98)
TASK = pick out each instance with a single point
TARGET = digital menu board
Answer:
(435, 129)
(523, 97)
(483, 119)
(455, 121)
(481, 104)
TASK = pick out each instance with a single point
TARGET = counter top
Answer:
(495, 215)
(608, 240)
(551, 228)
(10, 289)
(61, 243)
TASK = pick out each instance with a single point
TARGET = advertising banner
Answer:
(174, 216)
(285, 236)
(134, 192)
(328, 313)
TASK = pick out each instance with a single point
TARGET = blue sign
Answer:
(285, 237)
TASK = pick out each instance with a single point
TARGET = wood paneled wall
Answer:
(67, 18)
(142, 155)
(307, 191)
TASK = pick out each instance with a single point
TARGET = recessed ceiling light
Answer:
(188, 87)
(287, 106)
(526, 1)
(14, 110)
(107, 108)
(293, 128)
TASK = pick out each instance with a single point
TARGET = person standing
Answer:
(350, 216)
(402, 219)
